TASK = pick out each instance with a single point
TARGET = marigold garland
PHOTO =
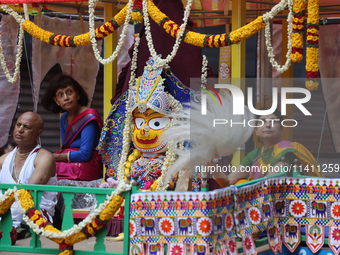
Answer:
(137, 11)
(6, 202)
(38, 221)
(299, 10)
(160, 18)
(312, 45)
(79, 40)
(197, 39)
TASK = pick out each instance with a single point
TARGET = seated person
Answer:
(28, 163)
(266, 161)
(80, 129)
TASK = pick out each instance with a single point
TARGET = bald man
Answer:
(28, 163)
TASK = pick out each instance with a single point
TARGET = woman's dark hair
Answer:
(62, 81)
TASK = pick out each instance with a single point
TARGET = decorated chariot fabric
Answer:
(9, 92)
(216, 218)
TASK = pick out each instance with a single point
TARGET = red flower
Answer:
(336, 210)
(336, 234)
(228, 221)
(231, 246)
(176, 250)
(137, 5)
(64, 246)
(247, 243)
(254, 215)
(166, 226)
(31, 213)
(132, 228)
(298, 208)
(205, 226)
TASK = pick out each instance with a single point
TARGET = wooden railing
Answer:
(67, 221)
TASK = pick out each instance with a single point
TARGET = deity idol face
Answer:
(224, 71)
(148, 130)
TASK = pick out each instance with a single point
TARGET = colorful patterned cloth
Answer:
(216, 218)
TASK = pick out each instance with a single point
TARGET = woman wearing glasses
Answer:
(80, 129)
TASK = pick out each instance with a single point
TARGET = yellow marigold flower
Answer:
(168, 28)
(296, 57)
(136, 17)
(313, 30)
(313, 12)
(40, 221)
(34, 217)
(94, 224)
(313, 38)
(311, 85)
(297, 40)
(216, 43)
(90, 230)
(247, 30)
(66, 252)
(26, 199)
(120, 17)
(76, 238)
(312, 59)
(295, 26)
(298, 6)
(154, 12)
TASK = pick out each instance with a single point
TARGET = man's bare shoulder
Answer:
(44, 156)
(45, 160)
(2, 159)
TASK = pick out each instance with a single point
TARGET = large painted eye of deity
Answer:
(158, 123)
(139, 122)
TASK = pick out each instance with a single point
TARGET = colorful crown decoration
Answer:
(148, 92)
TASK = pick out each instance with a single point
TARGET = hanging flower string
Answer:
(204, 74)
(122, 36)
(269, 16)
(15, 76)
(128, 122)
(179, 36)
(312, 45)
(299, 10)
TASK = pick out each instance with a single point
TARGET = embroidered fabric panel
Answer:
(184, 217)
(217, 217)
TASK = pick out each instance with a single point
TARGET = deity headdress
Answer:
(149, 92)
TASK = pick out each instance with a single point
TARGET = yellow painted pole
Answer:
(110, 70)
(238, 59)
(287, 79)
